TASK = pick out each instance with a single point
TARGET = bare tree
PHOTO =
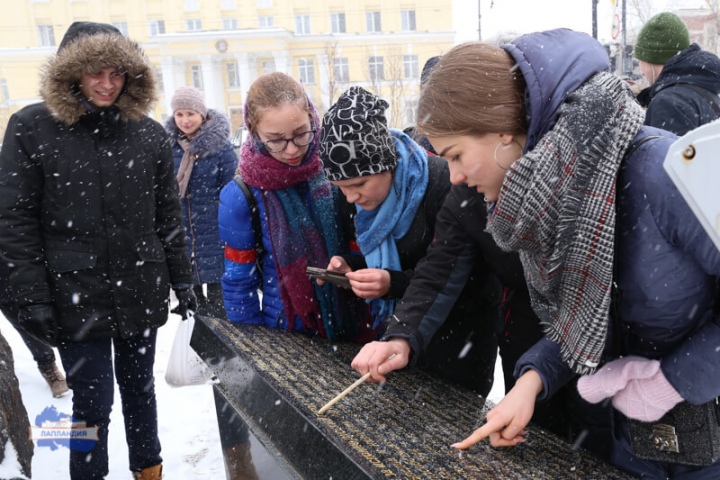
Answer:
(395, 80)
(337, 76)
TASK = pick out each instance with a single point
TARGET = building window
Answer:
(265, 21)
(372, 20)
(264, 3)
(306, 68)
(159, 80)
(268, 66)
(407, 19)
(341, 70)
(4, 91)
(410, 66)
(197, 79)
(337, 23)
(123, 27)
(233, 75)
(410, 109)
(46, 35)
(302, 24)
(228, 4)
(376, 69)
(157, 27)
(192, 5)
(193, 24)
(229, 24)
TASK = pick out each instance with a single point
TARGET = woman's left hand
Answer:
(506, 422)
(370, 282)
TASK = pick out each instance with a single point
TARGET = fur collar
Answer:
(62, 73)
(210, 140)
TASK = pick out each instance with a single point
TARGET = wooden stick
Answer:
(343, 393)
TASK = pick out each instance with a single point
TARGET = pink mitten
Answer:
(614, 377)
(647, 399)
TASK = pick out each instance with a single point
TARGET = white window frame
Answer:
(266, 21)
(411, 66)
(46, 35)
(159, 80)
(408, 21)
(341, 70)
(4, 90)
(156, 27)
(193, 25)
(192, 5)
(373, 21)
(306, 71)
(337, 22)
(302, 24)
(123, 27)
(232, 70)
(376, 64)
(228, 4)
(268, 66)
(197, 77)
(229, 23)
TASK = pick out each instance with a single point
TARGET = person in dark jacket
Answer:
(684, 80)
(42, 353)
(549, 163)
(90, 225)
(204, 163)
(394, 190)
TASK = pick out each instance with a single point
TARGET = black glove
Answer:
(186, 300)
(38, 320)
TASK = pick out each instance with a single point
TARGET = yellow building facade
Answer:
(222, 46)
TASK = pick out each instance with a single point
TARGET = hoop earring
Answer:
(495, 154)
(496, 159)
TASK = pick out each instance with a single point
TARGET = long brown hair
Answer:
(273, 90)
(475, 89)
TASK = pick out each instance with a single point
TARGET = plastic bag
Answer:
(185, 366)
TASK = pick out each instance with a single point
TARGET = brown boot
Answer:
(239, 464)
(54, 377)
(150, 473)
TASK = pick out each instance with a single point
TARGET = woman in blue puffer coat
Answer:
(204, 163)
(297, 212)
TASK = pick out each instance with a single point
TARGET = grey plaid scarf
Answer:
(557, 208)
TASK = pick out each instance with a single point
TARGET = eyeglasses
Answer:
(279, 144)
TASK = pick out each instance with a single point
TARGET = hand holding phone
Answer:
(336, 278)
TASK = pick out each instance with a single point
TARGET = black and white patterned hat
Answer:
(355, 140)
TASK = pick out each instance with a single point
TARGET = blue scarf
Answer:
(377, 230)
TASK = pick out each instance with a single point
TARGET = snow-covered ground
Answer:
(188, 427)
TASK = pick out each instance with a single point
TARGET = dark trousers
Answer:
(89, 367)
(42, 353)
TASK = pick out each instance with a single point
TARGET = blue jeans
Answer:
(89, 367)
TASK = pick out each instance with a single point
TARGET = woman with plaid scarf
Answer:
(556, 145)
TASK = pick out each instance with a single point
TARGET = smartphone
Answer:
(335, 278)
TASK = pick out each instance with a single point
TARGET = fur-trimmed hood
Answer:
(92, 53)
(211, 139)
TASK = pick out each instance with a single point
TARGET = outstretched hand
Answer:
(381, 358)
(505, 426)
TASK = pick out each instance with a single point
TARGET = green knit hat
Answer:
(662, 37)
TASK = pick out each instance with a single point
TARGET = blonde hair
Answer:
(475, 89)
(270, 91)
